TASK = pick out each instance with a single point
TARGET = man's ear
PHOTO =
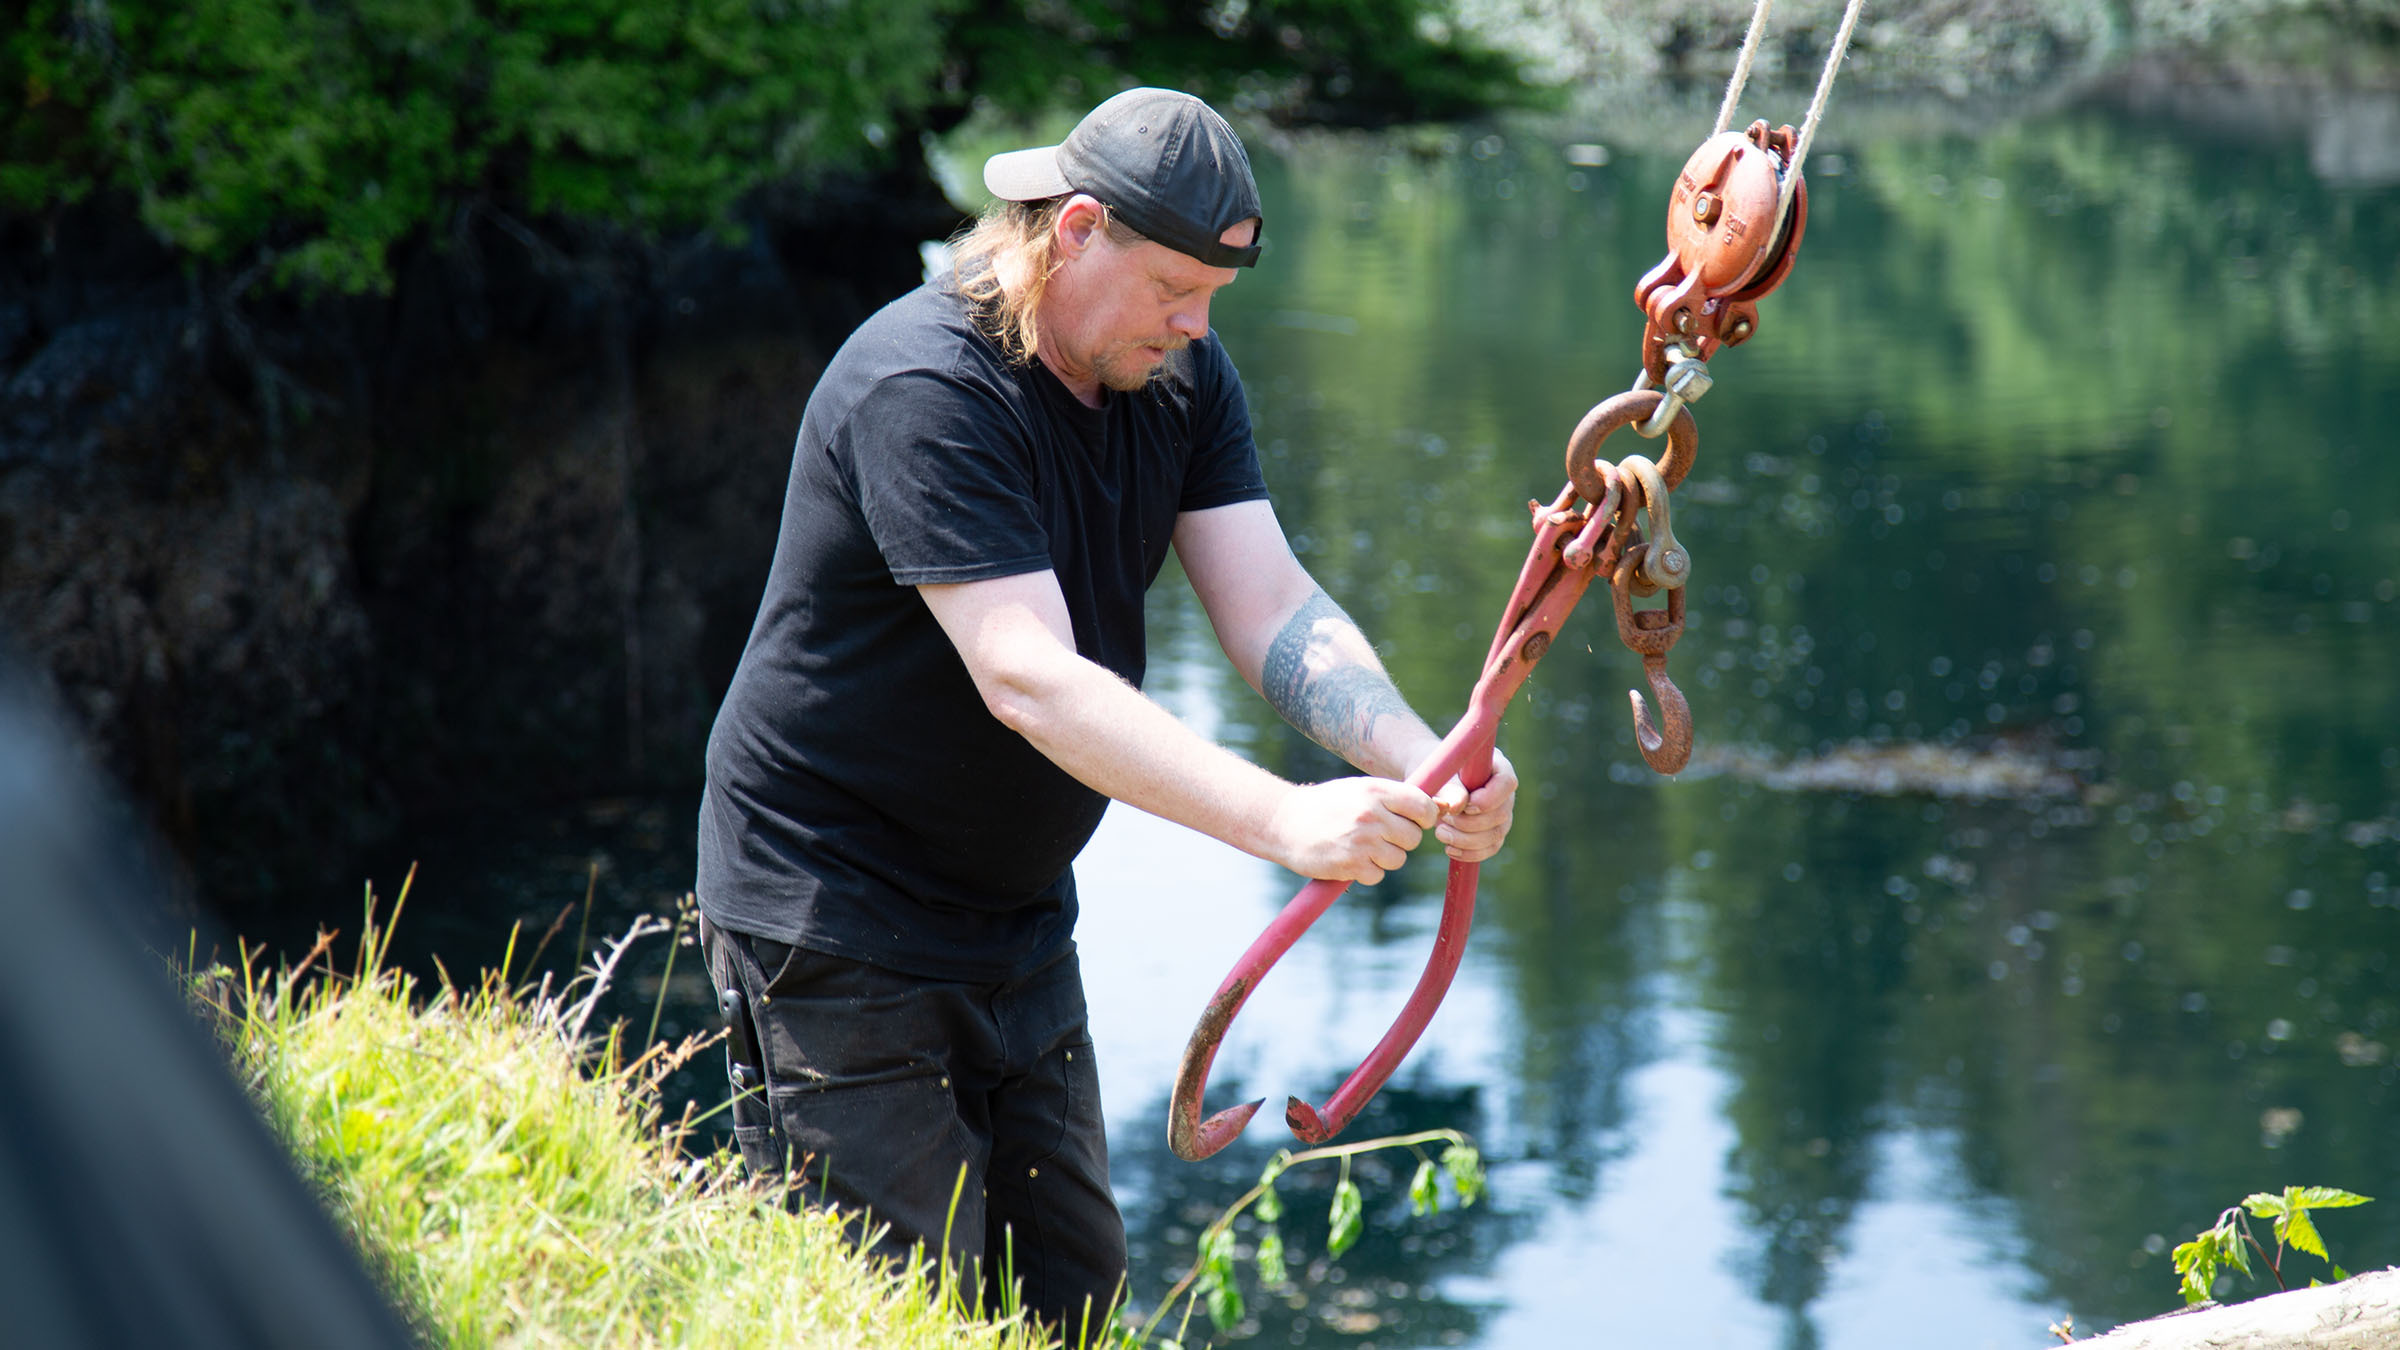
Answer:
(1079, 222)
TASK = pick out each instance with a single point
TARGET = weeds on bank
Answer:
(2229, 1242)
(1212, 1282)
(506, 1170)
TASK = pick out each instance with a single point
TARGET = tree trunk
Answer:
(2360, 1313)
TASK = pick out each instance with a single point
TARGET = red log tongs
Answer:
(1704, 295)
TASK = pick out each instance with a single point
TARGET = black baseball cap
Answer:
(1162, 161)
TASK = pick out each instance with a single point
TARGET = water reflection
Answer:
(2061, 442)
(2055, 446)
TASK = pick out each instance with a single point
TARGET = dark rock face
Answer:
(307, 570)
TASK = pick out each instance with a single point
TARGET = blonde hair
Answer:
(1005, 260)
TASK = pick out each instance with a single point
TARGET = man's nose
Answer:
(1191, 319)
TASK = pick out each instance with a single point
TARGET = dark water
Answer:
(2065, 449)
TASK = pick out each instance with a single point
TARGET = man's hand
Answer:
(1475, 824)
(1351, 829)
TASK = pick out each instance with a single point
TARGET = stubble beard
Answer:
(1118, 372)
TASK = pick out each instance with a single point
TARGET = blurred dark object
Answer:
(142, 1200)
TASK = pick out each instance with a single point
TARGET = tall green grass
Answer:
(507, 1172)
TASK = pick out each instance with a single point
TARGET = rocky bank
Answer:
(304, 571)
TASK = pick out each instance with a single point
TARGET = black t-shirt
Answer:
(861, 799)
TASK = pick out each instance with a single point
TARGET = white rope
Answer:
(1741, 66)
(1816, 106)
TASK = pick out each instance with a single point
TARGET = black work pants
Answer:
(880, 1089)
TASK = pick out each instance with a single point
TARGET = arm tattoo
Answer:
(1328, 694)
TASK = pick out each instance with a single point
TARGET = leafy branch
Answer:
(2230, 1242)
(1212, 1277)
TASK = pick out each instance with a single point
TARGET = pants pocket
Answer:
(893, 1150)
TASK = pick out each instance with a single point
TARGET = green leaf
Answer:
(1271, 1272)
(1270, 1205)
(1217, 1283)
(2324, 1197)
(2197, 1261)
(2232, 1248)
(1347, 1218)
(2340, 1274)
(1224, 1305)
(1217, 1254)
(2301, 1231)
(1424, 1192)
(2263, 1205)
(1465, 1167)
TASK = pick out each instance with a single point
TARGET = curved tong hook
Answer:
(1467, 753)
(1668, 753)
(1572, 548)
(1546, 592)
(1652, 633)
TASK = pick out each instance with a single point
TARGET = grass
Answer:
(508, 1176)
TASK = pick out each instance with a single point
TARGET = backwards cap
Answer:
(1162, 161)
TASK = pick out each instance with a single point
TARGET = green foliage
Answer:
(320, 136)
(2229, 1241)
(47, 150)
(309, 140)
(1465, 1167)
(1213, 1281)
(2198, 1260)
(1347, 1218)
(2290, 1210)
(1361, 62)
(1424, 1194)
(511, 1179)
(1217, 1282)
(1271, 1272)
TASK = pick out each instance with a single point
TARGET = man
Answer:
(941, 694)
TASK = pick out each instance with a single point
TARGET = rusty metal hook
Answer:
(1546, 592)
(1669, 751)
(1467, 753)
(1572, 548)
(1651, 633)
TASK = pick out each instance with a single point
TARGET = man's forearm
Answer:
(1014, 636)
(1115, 740)
(1321, 674)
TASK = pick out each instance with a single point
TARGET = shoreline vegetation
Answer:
(502, 1167)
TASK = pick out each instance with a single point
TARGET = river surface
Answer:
(2035, 893)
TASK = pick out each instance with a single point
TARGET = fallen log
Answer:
(2360, 1313)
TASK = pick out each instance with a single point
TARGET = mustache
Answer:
(1172, 342)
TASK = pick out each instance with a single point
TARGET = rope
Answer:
(1741, 67)
(1816, 106)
